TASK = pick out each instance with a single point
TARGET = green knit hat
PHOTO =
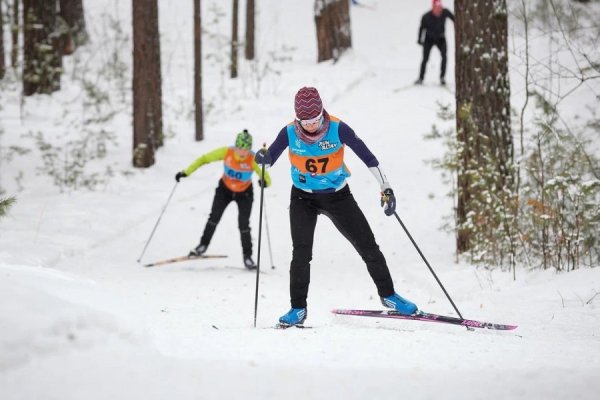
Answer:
(244, 140)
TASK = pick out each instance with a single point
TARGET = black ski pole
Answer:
(268, 236)
(157, 222)
(427, 263)
(262, 191)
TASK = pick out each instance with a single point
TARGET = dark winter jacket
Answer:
(433, 27)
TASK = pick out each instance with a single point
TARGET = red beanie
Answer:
(307, 103)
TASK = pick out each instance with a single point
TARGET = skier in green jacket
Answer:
(234, 185)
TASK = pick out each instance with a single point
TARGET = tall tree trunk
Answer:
(250, 29)
(42, 61)
(156, 79)
(14, 30)
(71, 12)
(234, 39)
(147, 109)
(2, 59)
(334, 33)
(482, 103)
(199, 110)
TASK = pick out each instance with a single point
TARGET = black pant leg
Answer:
(303, 219)
(223, 197)
(349, 219)
(427, 45)
(441, 44)
(244, 202)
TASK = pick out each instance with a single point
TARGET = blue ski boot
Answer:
(295, 316)
(400, 304)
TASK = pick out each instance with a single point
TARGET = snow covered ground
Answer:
(81, 319)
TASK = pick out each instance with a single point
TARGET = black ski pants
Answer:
(224, 196)
(427, 45)
(341, 208)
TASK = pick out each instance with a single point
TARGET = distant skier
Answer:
(432, 32)
(235, 185)
(316, 142)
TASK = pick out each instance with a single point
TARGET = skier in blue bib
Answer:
(316, 142)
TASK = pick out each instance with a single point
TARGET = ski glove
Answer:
(388, 202)
(262, 184)
(180, 175)
(263, 157)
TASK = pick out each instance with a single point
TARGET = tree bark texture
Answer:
(71, 11)
(334, 33)
(14, 31)
(482, 99)
(2, 58)
(234, 38)
(250, 21)
(42, 61)
(156, 80)
(199, 109)
(147, 106)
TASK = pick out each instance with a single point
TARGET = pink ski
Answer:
(427, 317)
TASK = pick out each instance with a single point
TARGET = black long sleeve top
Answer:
(432, 27)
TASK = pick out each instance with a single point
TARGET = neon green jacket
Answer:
(219, 155)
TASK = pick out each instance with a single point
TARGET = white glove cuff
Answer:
(381, 178)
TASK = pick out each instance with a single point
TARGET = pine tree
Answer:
(332, 18)
(485, 177)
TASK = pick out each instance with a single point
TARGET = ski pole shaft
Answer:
(262, 192)
(157, 222)
(427, 263)
(268, 235)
